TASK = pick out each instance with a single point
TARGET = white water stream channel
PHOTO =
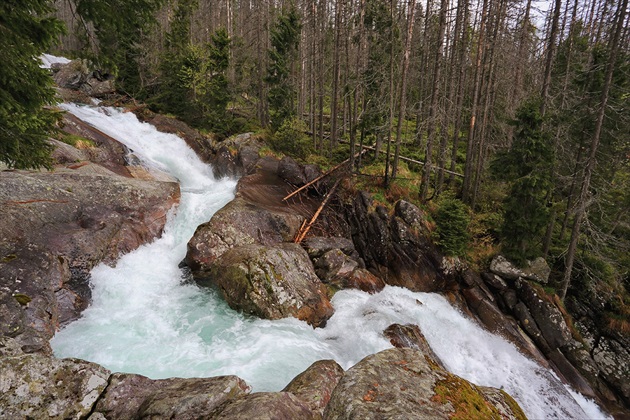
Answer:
(146, 318)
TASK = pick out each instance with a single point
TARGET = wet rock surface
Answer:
(403, 383)
(272, 282)
(266, 406)
(315, 385)
(54, 227)
(410, 336)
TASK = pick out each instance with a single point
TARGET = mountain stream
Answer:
(146, 317)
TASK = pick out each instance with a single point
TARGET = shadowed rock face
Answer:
(396, 247)
(404, 383)
(75, 75)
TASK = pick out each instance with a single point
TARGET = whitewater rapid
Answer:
(147, 317)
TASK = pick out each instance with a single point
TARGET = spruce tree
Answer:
(176, 63)
(26, 31)
(119, 27)
(526, 166)
(285, 38)
(379, 26)
(216, 89)
(452, 220)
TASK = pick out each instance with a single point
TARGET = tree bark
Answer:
(437, 66)
(470, 146)
(402, 95)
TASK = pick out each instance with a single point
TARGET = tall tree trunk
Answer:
(470, 146)
(461, 82)
(613, 47)
(402, 94)
(490, 63)
(423, 75)
(449, 85)
(335, 82)
(517, 90)
(390, 121)
(551, 50)
(437, 66)
(360, 32)
(320, 73)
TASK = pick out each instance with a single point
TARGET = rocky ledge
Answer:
(401, 383)
(56, 226)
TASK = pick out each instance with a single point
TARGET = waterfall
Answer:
(146, 317)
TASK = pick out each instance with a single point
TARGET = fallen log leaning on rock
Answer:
(305, 228)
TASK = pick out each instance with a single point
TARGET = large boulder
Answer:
(537, 270)
(315, 385)
(334, 265)
(271, 282)
(54, 228)
(291, 171)
(338, 264)
(135, 396)
(403, 383)
(237, 155)
(76, 75)
(36, 386)
(316, 246)
(237, 224)
(410, 336)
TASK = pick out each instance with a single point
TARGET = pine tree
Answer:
(204, 74)
(526, 167)
(217, 93)
(452, 220)
(119, 26)
(26, 32)
(379, 27)
(176, 64)
(285, 37)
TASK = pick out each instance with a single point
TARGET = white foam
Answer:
(48, 60)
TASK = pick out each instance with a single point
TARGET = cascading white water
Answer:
(145, 318)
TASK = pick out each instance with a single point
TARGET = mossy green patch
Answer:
(22, 298)
(8, 258)
(516, 409)
(76, 141)
(465, 398)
